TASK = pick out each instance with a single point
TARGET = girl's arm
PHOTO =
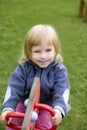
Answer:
(61, 90)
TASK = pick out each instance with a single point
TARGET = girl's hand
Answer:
(57, 119)
(2, 117)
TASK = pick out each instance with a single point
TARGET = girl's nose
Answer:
(43, 55)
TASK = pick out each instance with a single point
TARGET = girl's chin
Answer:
(43, 65)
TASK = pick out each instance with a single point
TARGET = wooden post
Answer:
(85, 16)
(81, 8)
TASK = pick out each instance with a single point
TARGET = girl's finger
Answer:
(9, 121)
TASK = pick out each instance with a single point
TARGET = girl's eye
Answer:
(37, 51)
(48, 50)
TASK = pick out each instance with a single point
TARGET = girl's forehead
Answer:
(43, 47)
(41, 42)
(44, 44)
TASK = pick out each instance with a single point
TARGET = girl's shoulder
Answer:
(60, 69)
(60, 66)
(28, 66)
(23, 69)
(25, 65)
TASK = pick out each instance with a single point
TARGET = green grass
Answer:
(16, 17)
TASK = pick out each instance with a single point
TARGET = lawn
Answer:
(17, 16)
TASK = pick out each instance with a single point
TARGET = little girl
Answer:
(41, 57)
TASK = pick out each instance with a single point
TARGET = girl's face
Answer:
(43, 55)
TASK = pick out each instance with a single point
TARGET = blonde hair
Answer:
(37, 35)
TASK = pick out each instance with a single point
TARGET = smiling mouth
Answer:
(43, 61)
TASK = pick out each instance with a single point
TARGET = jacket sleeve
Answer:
(15, 88)
(61, 89)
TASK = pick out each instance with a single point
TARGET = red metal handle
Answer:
(21, 115)
(45, 107)
(14, 114)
